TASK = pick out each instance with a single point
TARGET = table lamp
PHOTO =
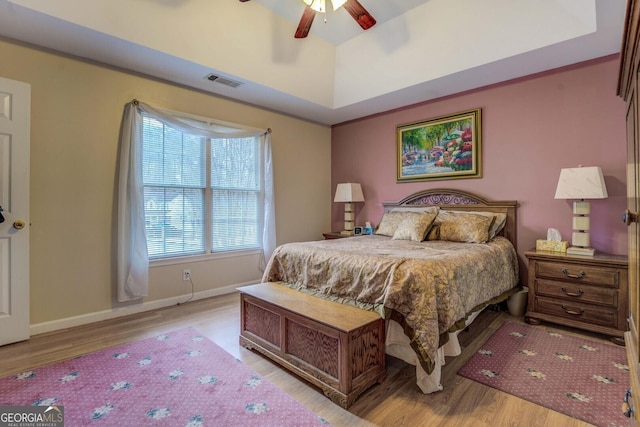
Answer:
(581, 183)
(348, 193)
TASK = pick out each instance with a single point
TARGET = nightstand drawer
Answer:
(601, 276)
(576, 292)
(595, 315)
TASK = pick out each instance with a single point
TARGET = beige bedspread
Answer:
(426, 286)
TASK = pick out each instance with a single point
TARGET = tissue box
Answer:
(551, 246)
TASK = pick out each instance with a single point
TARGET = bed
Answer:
(436, 260)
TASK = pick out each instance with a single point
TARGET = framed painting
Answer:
(447, 147)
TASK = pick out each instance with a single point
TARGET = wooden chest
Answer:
(336, 347)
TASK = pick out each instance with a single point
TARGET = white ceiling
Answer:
(418, 50)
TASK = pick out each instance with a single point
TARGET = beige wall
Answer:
(75, 120)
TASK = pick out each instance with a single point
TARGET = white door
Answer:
(15, 112)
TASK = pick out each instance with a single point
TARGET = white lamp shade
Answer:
(349, 192)
(581, 183)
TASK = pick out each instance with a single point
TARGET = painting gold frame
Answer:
(446, 147)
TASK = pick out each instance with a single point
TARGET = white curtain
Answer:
(269, 229)
(132, 257)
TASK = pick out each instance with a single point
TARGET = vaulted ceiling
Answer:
(418, 50)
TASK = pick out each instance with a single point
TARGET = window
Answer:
(189, 186)
(201, 194)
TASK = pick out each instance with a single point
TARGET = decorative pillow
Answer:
(416, 208)
(498, 224)
(465, 227)
(390, 222)
(414, 227)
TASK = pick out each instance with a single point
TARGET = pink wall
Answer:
(531, 127)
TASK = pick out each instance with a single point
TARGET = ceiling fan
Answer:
(353, 7)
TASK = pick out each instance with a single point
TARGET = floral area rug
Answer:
(177, 379)
(577, 377)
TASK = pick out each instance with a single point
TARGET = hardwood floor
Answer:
(396, 402)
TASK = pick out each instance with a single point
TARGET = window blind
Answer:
(193, 184)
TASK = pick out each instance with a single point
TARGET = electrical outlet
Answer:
(186, 275)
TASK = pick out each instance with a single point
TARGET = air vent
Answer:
(223, 80)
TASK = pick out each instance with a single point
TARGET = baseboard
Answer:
(84, 319)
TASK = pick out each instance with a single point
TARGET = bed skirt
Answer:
(398, 345)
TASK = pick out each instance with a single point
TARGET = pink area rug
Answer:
(577, 377)
(177, 379)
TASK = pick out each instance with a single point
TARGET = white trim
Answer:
(84, 319)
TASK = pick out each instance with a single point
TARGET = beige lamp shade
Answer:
(581, 183)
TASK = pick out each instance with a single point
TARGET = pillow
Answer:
(416, 208)
(498, 224)
(390, 222)
(465, 227)
(414, 227)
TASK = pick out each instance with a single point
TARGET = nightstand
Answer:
(335, 235)
(589, 293)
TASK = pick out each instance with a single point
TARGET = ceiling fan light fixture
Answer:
(338, 4)
(317, 5)
(321, 5)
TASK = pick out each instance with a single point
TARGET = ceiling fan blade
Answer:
(243, 1)
(360, 14)
(305, 23)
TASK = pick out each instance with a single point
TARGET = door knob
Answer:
(628, 217)
(19, 224)
(1, 217)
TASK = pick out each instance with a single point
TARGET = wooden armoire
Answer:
(629, 90)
